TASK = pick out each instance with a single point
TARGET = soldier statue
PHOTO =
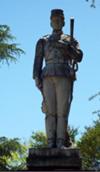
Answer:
(55, 79)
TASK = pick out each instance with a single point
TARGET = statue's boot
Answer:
(50, 121)
(61, 132)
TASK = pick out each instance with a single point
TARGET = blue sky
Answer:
(20, 101)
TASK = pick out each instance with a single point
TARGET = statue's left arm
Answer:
(37, 67)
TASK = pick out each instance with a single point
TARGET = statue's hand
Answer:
(38, 83)
(73, 52)
(77, 54)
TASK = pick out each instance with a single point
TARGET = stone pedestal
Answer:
(54, 159)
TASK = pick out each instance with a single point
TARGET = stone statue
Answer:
(55, 79)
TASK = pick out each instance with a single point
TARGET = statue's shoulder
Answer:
(42, 41)
(46, 37)
(67, 38)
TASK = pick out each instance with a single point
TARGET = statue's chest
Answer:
(55, 47)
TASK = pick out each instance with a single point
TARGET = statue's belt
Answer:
(56, 61)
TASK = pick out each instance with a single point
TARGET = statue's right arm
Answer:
(38, 62)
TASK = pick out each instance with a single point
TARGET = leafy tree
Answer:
(38, 140)
(89, 144)
(12, 154)
(73, 132)
(8, 50)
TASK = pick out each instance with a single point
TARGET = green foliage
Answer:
(73, 132)
(89, 144)
(8, 51)
(38, 140)
(12, 154)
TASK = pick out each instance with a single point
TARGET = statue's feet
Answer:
(61, 144)
(61, 147)
(51, 143)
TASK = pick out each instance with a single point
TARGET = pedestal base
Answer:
(54, 159)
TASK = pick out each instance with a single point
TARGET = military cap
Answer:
(57, 12)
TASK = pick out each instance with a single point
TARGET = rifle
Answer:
(74, 64)
(71, 29)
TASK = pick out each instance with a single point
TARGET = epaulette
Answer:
(67, 37)
(43, 39)
(46, 36)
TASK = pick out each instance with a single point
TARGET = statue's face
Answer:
(57, 22)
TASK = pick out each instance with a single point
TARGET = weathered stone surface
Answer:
(54, 159)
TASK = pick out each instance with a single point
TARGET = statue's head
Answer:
(57, 19)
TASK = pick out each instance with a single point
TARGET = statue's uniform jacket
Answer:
(55, 76)
(53, 48)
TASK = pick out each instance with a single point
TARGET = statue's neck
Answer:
(58, 32)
